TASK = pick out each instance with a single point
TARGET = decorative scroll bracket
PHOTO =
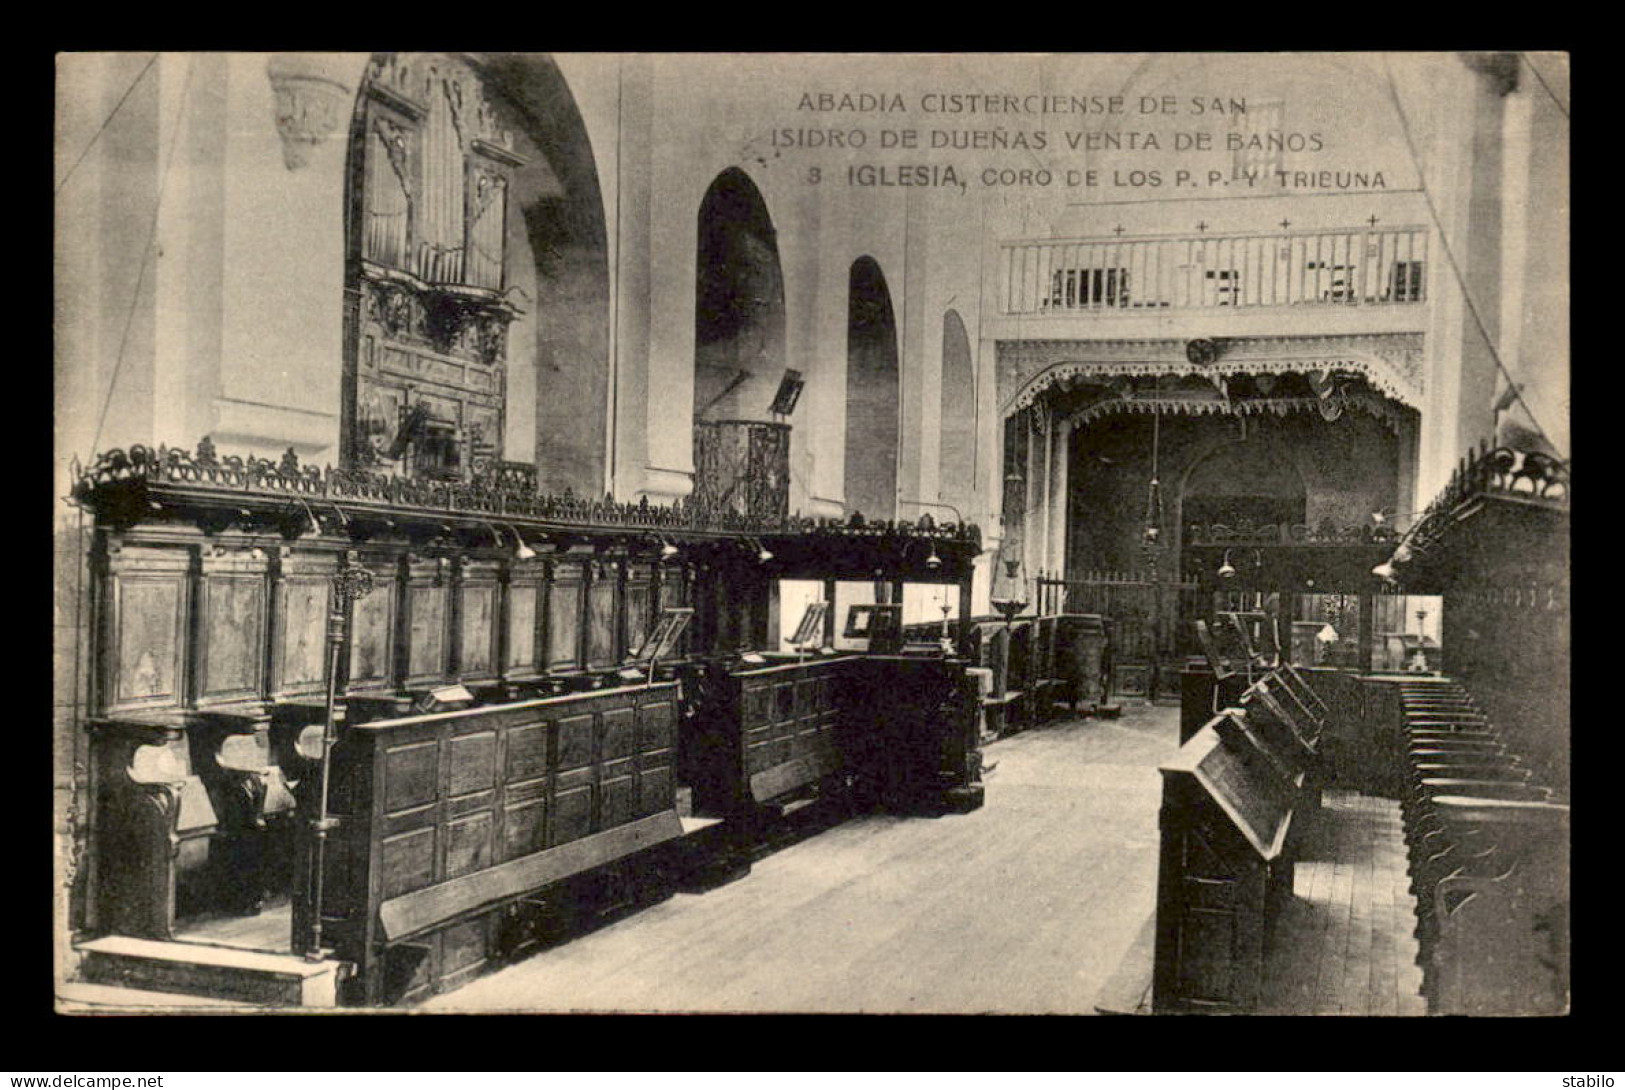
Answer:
(312, 103)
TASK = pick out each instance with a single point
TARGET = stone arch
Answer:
(739, 319)
(1243, 480)
(500, 326)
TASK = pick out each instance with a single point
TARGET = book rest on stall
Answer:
(1235, 801)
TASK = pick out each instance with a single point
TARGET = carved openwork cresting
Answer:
(128, 486)
(1532, 478)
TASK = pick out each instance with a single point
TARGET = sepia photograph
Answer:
(811, 533)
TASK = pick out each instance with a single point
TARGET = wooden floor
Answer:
(1040, 902)
(1026, 905)
(269, 930)
(1344, 943)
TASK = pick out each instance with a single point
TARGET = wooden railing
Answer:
(1343, 268)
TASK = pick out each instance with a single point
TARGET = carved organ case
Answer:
(431, 173)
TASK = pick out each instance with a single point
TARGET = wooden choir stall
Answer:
(893, 724)
(1032, 667)
(1476, 755)
(1480, 753)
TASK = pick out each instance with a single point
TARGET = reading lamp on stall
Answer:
(1385, 570)
(667, 548)
(1226, 569)
(521, 550)
(315, 525)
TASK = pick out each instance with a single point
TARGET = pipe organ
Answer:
(428, 269)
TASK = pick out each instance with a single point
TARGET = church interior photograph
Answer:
(811, 533)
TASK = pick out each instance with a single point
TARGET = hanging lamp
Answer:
(1151, 534)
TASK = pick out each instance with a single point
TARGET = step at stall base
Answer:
(80, 997)
(231, 976)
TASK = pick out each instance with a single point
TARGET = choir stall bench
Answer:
(465, 838)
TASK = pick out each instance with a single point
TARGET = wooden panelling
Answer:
(477, 621)
(231, 654)
(527, 752)
(521, 657)
(372, 628)
(411, 775)
(575, 740)
(299, 660)
(572, 814)
(408, 861)
(620, 739)
(448, 801)
(524, 828)
(149, 617)
(657, 727)
(183, 619)
(618, 799)
(638, 602)
(426, 630)
(602, 649)
(468, 844)
(472, 758)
